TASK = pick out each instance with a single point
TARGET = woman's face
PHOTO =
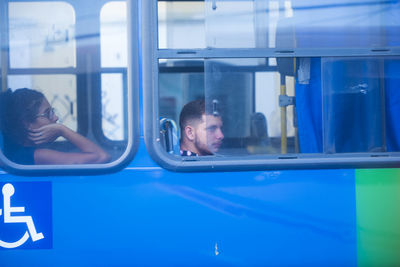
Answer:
(44, 116)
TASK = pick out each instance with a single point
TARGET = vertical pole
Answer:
(283, 119)
(296, 128)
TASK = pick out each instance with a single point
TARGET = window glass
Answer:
(114, 54)
(181, 24)
(180, 82)
(113, 35)
(42, 35)
(60, 91)
(328, 105)
(244, 93)
(301, 24)
(113, 88)
(355, 105)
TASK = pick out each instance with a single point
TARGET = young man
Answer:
(201, 133)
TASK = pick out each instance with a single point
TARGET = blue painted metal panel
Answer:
(145, 215)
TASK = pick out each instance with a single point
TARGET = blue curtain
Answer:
(392, 98)
(349, 105)
(308, 105)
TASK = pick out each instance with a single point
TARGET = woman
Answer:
(28, 124)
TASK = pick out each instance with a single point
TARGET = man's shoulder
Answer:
(187, 153)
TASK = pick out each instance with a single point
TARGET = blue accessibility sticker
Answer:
(26, 215)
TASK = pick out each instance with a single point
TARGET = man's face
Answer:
(209, 135)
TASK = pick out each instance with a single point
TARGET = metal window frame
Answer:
(132, 112)
(151, 55)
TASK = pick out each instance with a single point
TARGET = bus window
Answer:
(292, 83)
(72, 58)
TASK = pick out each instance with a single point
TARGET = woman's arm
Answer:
(91, 153)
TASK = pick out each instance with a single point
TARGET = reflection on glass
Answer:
(301, 105)
(301, 24)
(328, 105)
(354, 105)
(245, 93)
(42, 35)
(181, 24)
(112, 103)
(113, 35)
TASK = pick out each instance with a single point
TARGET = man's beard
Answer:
(202, 151)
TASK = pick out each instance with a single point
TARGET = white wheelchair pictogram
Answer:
(8, 190)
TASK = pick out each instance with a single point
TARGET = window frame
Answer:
(151, 56)
(85, 113)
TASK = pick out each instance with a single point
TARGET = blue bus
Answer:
(308, 172)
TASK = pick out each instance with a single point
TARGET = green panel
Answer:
(378, 217)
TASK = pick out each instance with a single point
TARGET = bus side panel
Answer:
(149, 216)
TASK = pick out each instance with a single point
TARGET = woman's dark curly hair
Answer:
(17, 109)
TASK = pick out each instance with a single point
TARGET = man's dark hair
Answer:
(193, 110)
(17, 109)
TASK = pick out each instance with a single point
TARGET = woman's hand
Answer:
(46, 134)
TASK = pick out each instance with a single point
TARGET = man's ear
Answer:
(189, 132)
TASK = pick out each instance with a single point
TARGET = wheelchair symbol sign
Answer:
(13, 214)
